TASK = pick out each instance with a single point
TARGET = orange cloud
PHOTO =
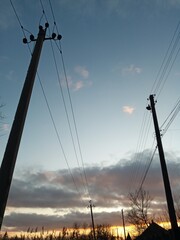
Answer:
(128, 109)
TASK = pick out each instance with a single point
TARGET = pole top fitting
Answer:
(46, 25)
(40, 27)
(148, 107)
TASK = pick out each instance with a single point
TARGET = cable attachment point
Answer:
(46, 25)
(25, 40)
(53, 35)
(148, 107)
(59, 37)
(40, 27)
(32, 37)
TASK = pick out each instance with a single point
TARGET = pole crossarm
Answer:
(12, 147)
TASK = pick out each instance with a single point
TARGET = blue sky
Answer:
(112, 51)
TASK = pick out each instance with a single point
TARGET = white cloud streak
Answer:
(132, 69)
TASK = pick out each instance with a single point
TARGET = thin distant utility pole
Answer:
(169, 198)
(12, 147)
(92, 218)
(122, 212)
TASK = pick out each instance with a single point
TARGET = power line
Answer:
(57, 133)
(61, 90)
(163, 72)
(70, 100)
(20, 24)
(48, 106)
(139, 153)
(146, 171)
(64, 108)
(172, 114)
(67, 115)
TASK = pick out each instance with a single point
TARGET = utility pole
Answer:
(92, 218)
(123, 224)
(169, 198)
(12, 147)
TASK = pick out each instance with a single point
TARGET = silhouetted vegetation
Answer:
(138, 213)
(103, 232)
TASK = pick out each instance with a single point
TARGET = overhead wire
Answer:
(58, 75)
(168, 58)
(75, 125)
(140, 155)
(170, 117)
(139, 152)
(64, 103)
(20, 24)
(146, 170)
(57, 134)
(70, 100)
(45, 97)
(66, 111)
(168, 63)
(165, 69)
(168, 73)
(144, 156)
(162, 76)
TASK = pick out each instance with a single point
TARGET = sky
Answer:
(115, 54)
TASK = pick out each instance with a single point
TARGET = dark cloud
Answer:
(109, 186)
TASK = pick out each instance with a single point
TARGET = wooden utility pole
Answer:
(169, 198)
(92, 218)
(122, 212)
(12, 147)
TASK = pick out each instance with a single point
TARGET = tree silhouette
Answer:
(139, 207)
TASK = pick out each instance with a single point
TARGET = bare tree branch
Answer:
(139, 206)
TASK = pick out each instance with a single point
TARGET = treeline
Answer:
(102, 232)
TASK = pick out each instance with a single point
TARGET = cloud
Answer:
(128, 109)
(82, 71)
(81, 82)
(78, 85)
(23, 221)
(108, 186)
(132, 69)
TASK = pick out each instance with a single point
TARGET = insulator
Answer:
(148, 108)
(31, 37)
(40, 27)
(59, 37)
(25, 40)
(53, 35)
(47, 25)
